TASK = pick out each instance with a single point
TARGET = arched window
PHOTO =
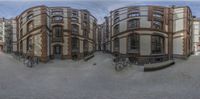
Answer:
(133, 43)
(30, 26)
(75, 29)
(157, 44)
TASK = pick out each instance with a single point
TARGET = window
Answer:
(29, 43)
(85, 16)
(116, 44)
(85, 33)
(157, 25)
(85, 43)
(116, 14)
(134, 14)
(157, 44)
(116, 29)
(21, 33)
(57, 30)
(74, 13)
(57, 19)
(84, 24)
(132, 24)
(21, 46)
(116, 20)
(75, 29)
(158, 11)
(74, 19)
(75, 44)
(30, 26)
(157, 15)
(29, 17)
(57, 13)
(133, 43)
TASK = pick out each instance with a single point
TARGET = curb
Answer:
(159, 67)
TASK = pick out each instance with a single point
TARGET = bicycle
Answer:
(28, 62)
(121, 63)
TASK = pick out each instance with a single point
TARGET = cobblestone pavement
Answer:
(83, 80)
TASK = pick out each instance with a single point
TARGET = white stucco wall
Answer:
(145, 44)
(65, 47)
(178, 25)
(178, 46)
(37, 45)
(122, 26)
(123, 46)
(144, 23)
(81, 45)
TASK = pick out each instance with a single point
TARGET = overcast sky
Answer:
(99, 8)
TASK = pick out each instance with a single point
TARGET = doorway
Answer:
(57, 51)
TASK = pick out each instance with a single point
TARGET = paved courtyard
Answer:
(83, 80)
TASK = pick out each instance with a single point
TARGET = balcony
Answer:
(57, 39)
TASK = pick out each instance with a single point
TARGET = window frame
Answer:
(157, 44)
(116, 29)
(56, 29)
(60, 18)
(136, 38)
(30, 23)
(75, 43)
(132, 23)
(157, 24)
(29, 16)
(116, 44)
(75, 29)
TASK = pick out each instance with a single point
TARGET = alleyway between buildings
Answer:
(67, 79)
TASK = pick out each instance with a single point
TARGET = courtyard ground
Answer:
(67, 79)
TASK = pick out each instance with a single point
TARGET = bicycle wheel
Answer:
(119, 67)
(29, 64)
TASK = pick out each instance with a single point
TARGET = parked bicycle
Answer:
(121, 63)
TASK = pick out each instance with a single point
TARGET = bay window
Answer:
(133, 23)
(157, 44)
(133, 43)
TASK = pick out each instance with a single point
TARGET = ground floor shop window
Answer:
(116, 44)
(133, 43)
(157, 44)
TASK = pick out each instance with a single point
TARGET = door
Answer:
(57, 51)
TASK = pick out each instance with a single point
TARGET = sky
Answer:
(98, 8)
